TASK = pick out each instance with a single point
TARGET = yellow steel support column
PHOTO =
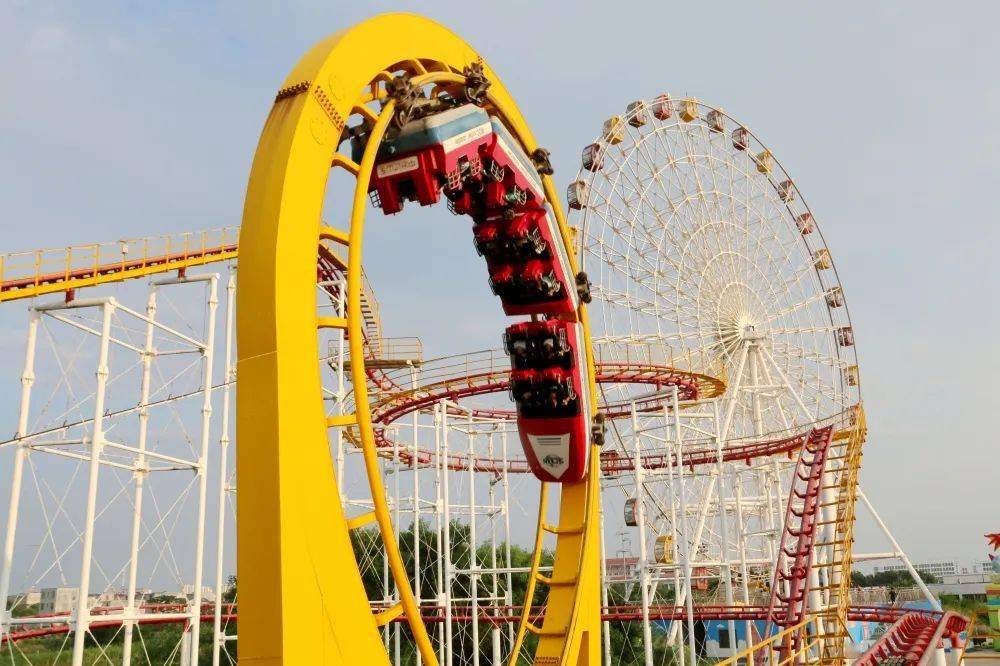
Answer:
(571, 632)
(301, 596)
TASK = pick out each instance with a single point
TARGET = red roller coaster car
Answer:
(485, 174)
(553, 402)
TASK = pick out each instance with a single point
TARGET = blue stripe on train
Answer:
(407, 143)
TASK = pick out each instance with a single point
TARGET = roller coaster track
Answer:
(39, 272)
(790, 588)
(496, 615)
(834, 572)
(914, 638)
(396, 405)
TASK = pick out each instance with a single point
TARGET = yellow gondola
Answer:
(614, 130)
(663, 549)
(689, 109)
(765, 161)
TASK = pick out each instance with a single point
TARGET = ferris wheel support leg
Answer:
(640, 481)
(726, 569)
(928, 595)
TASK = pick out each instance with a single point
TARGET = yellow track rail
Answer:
(301, 598)
(800, 644)
(844, 465)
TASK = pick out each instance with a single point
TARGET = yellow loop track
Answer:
(301, 595)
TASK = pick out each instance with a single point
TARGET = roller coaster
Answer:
(682, 368)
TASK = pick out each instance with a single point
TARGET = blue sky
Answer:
(127, 119)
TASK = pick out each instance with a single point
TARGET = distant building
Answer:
(939, 569)
(207, 593)
(57, 599)
(109, 599)
(983, 567)
(621, 567)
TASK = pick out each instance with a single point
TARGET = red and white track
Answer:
(905, 622)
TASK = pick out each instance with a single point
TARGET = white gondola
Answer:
(716, 121)
(835, 297)
(821, 259)
(630, 513)
(663, 549)
(593, 157)
(576, 195)
(786, 190)
(845, 336)
(851, 375)
(805, 223)
(663, 107)
(637, 113)
(741, 138)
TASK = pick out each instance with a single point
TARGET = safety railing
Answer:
(799, 644)
(30, 270)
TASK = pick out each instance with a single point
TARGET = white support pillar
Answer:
(208, 353)
(149, 352)
(218, 635)
(341, 340)
(473, 563)
(495, 658)
(680, 595)
(397, 468)
(509, 593)
(446, 554)
(82, 615)
(723, 524)
(439, 466)
(27, 380)
(415, 471)
(741, 543)
(935, 604)
(605, 625)
(647, 635)
(686, 547)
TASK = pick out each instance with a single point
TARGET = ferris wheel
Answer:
(702, 250)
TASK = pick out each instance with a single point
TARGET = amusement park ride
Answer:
(680, 360)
